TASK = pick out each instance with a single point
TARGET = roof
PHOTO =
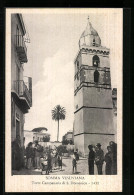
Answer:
(39, 129)
(40, 133)
(90, 36)
(89, 30)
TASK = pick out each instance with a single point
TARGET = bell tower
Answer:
(93, 109)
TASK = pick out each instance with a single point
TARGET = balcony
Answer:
(21, 48)
(25, 95)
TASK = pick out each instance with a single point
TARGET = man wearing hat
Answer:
(108, 160)
(99, 158)
(16, 154)
(91, 158)
(113, 146)
(37, 153)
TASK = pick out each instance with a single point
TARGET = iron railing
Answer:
(22, 90)
(21, 48)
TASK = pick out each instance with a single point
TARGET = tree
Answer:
(39, 129)
(46, 138)
(58, 113)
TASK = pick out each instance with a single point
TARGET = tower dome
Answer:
(89, 37)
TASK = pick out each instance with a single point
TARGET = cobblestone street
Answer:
(82, 168)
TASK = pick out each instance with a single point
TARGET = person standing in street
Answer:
(74, 163)
(49, 158)
(91, 158)
(38, 150)
(55, 159)
(108, 160)
(29, 155)
(60, 161)
(77, 155)
(99, 158)
(16, 154)
(113, 146)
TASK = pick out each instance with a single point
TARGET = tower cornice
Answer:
(93, 50)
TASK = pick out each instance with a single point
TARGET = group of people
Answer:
(46, 159)
(35, 156)
(96, 156)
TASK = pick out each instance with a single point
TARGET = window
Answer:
(17, 35)
(17, 31)
(17, 128)
(96, 61)
(96, 76)
(17, 72)
(93, 42)
(77, 65)
(17, 79)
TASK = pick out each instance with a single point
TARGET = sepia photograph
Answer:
(64, 75)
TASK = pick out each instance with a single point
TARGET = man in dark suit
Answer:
(16, 154)
(99, 158)
(91, 158)
(113, 146)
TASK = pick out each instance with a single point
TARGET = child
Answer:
(44, 163)
(29, 155)
(74, 163)
(49, 159)
(60, 162)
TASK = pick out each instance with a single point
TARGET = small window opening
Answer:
(77, 65)
(93, 42)
(96, 76)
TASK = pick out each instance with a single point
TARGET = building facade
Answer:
(93, 109)
(28, 135)
(114, 98)
(31, 136)
(41, 136)
(68, 137)
(21, 92)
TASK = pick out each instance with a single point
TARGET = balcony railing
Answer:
(22, 90)
(21, 48)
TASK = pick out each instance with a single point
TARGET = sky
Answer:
(51, 52)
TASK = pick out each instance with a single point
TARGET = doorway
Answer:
(17, 128)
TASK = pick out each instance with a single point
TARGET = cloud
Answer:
(56, 87)
(52, 69)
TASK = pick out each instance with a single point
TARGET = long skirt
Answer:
(29, 163)
(37, 162)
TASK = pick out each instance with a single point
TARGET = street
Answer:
(82, 168)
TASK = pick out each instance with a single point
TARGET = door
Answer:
(18, 82)
(17, 128)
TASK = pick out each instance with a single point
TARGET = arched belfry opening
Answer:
(96, 61)
(93, 42)
(96, 76)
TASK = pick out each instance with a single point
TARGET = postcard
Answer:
(63, 100)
